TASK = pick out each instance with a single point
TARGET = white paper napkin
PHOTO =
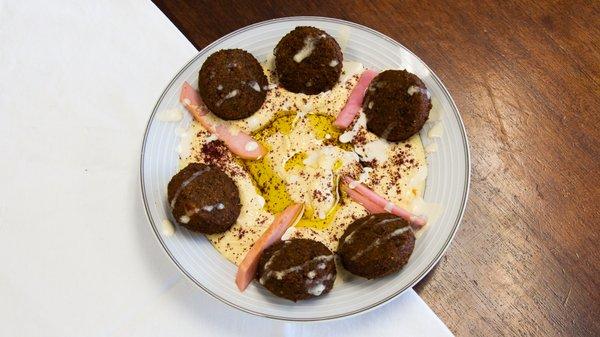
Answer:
(77, 83)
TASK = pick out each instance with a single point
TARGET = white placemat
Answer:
(78, 82)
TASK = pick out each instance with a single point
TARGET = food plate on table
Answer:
(305, 168)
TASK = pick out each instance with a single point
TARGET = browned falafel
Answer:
(232, 84)
(396, 105)
(308, 60)
(204, 199)
(376, 245)
(297, 269)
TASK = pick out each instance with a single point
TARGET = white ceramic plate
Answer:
(447, 183)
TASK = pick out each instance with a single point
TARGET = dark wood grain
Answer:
(526, 77)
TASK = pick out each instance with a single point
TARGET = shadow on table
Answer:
(187, 310)
(425, 280)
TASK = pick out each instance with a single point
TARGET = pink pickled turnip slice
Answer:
(361, 199)
(385, 205)
(190, 98)
(283, 221)
(352, 107)
(238, 142)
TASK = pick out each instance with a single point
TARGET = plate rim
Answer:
(433, 263)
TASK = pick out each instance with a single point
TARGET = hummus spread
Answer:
(306, 157)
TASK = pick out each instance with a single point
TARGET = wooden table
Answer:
(526, 78)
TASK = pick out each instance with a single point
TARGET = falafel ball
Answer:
(232, 84)
(297, 269)
(204, 199)
(376, 245)
(308, 60)
(396, 105)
